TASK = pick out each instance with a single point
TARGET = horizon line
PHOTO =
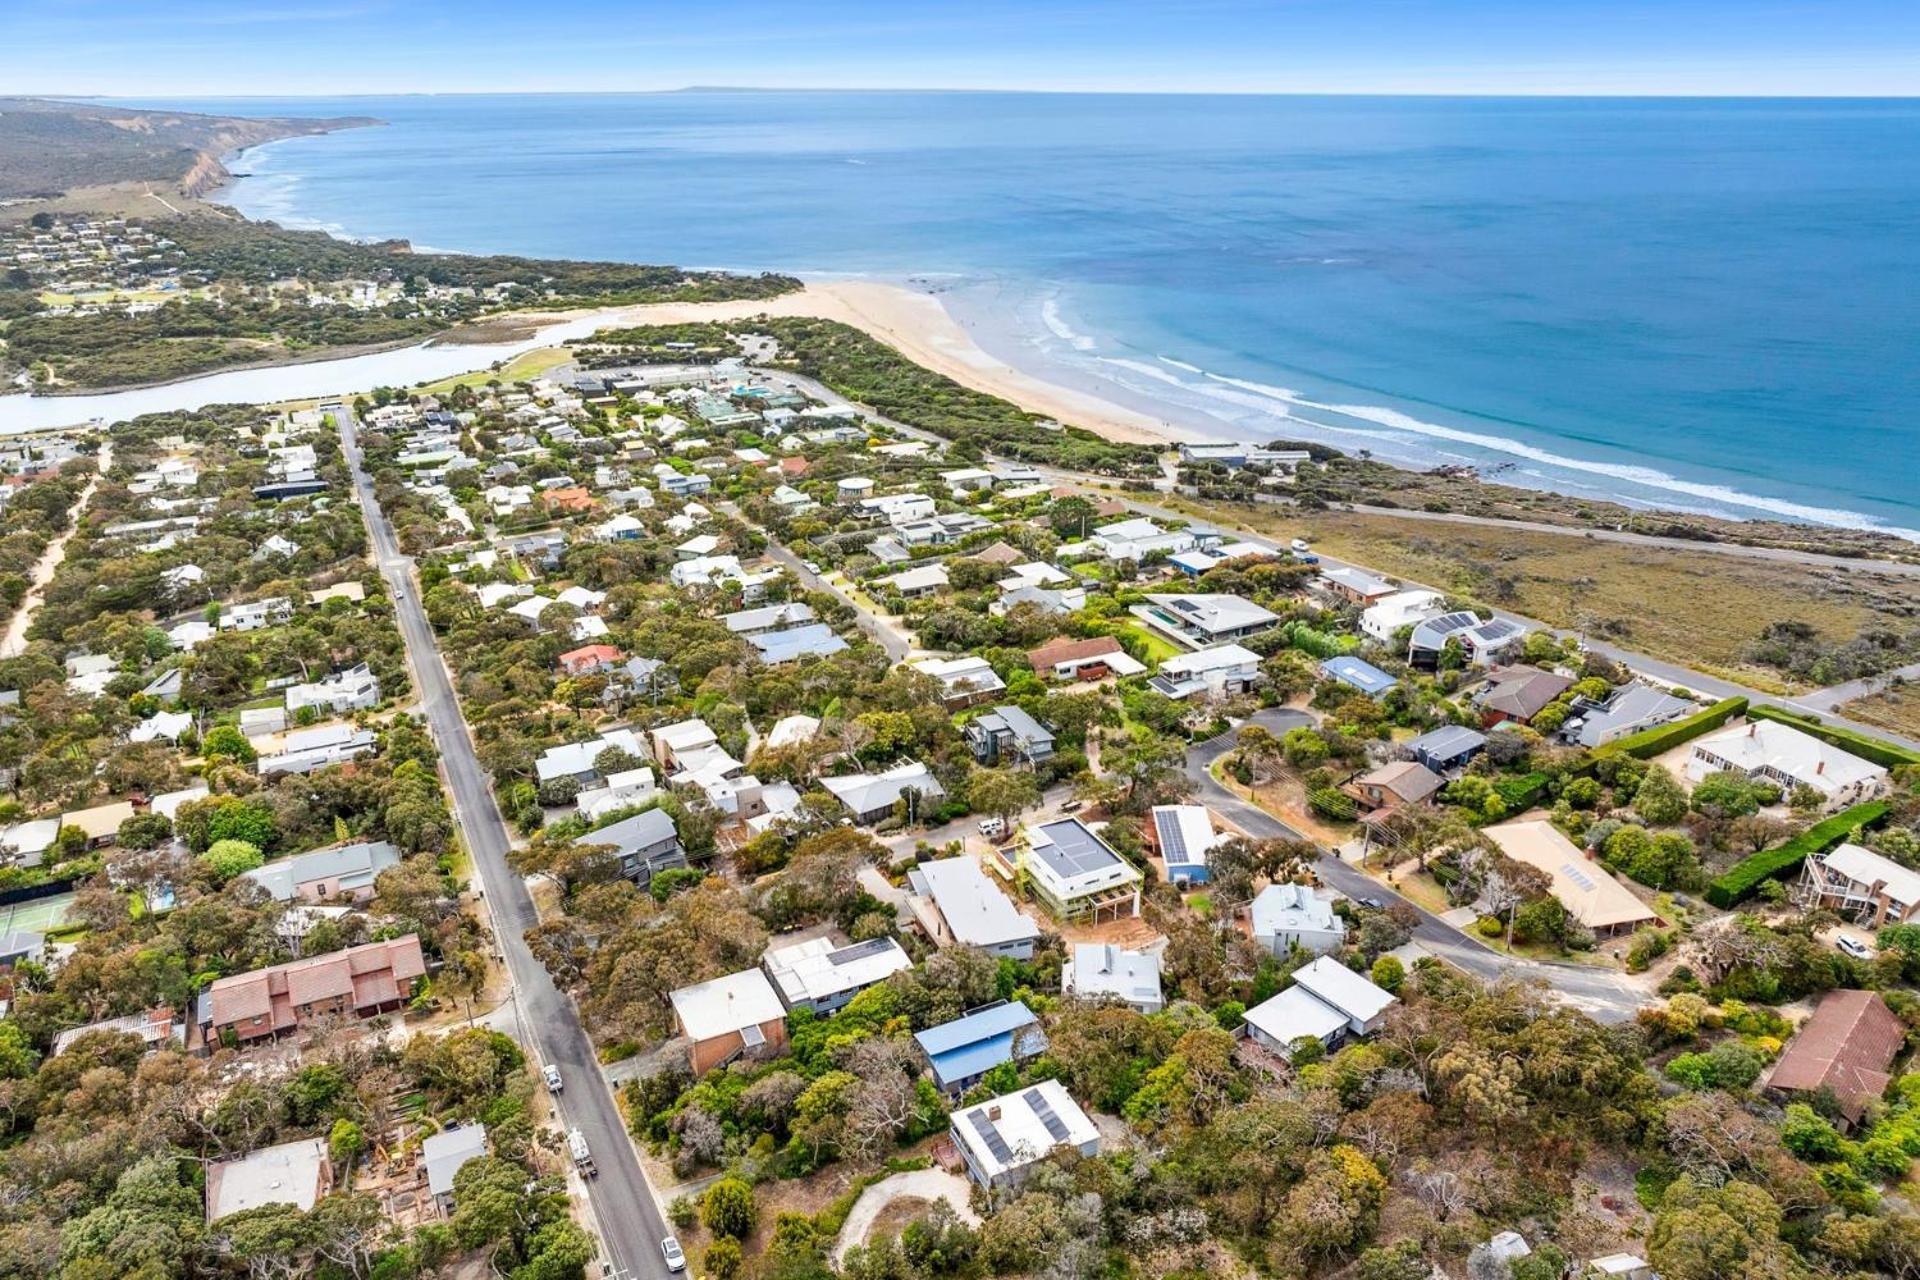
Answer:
(1568, 95)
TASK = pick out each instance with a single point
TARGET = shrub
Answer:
(727, 1209)
(1389, 973)
(229, 858)
(1745, 876)
(1651, 742)
(1521, 793)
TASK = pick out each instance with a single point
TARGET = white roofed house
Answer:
(1485, 643)
(576, 760)
(1136, 538)
(1327, 1002)
(1073, 873)
(1859, 883)
(1401, 609)
(739, 1015)
(1284, 916)
(871, 797)
(354, 689)
(1003, 1138)
(1221, 670)
(955, 904)
(821, 975)
(305, 750)
(1100, 971)
(1183, 835)
(964, 681)
(683, 737)
(1197, 621)
(1779, 753)
(294, 1173)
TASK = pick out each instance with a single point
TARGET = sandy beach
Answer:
(919, 327)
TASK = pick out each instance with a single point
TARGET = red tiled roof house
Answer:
(1846, 1047)
(365, 980)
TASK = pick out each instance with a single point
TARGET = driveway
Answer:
(921, 1184)
(1605, 995)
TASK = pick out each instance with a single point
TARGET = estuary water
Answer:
(1708, 304)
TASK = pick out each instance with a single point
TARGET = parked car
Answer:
(993, 828)
(1300, 544)
(670, 1251)
(1371, 904)
(551, 1074)
(1854, 947)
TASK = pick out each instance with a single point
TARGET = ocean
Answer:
(1702, 304)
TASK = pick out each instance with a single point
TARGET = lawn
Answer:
(1158, 647)
(1700, 608)
(522, 368)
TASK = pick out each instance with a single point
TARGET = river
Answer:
(400, 367)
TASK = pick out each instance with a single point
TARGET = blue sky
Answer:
(206, 47)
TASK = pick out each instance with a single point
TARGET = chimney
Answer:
(1819, 767)
(1753, 728)
(993, 1113)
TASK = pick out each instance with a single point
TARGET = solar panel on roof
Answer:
(1576, 875)
(1173, 841)
(1043, 1110)
(991, 1136)
(1453, 622)
(860, 951)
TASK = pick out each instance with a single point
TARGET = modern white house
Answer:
(1284, 916)
(1073, 873)
(1388, 615)
(1197, 621)
(963, 681)
(956, 904)
(821, 975)
(1327, 1002)
(1774, 752)
(1100, 971)
(1221, 670)
(354, 689)
(870, 797)
(1002, 1138)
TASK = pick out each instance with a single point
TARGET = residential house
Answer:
(326, 875)
(101, 823)
(1183, 835)
(444, 1154)
(256, 614)
(646, 844)
(1100, 971)
(1518, 694)
(1779, 753)
(575, 760)
(1355, 586)
(592, 659)
(305, 750)
(816, 640)
(921, 581)
(964, 681)
(1627, 710)
(1197, 621)
(355, 689)
(1002, 1139)
(164, 726)
(1092, 659)
(1587, 890)
(1385, 617)
(375, 978)
(1220, 671)
(1845, 1049)
(821, 975)
(153, 1027)
(1394, 785)
(1482, 643)
(1355, 674)
(1448, 748)
(739, 1015)
(1138, 538)
(621, 789)
(871, 797)
(772, 617)
(682, 738)
(962, 1051)
(1284, 916)
(955, 904)
(1008, 735)
(294, 1173)
(1327, 1002)
(1075, 874)
(1861, 884)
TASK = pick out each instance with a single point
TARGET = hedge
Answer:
(1877, 750)
(1747, 874)
(1664, 737)
(1521, 793)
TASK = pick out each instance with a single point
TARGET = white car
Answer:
(1854, 947)
(1300, 544)
(551, 1074)
(670, 1251)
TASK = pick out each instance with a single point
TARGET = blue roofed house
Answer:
(1183, 834)
(1364, 676)
(962, 1051)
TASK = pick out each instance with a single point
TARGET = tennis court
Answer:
(37, 916)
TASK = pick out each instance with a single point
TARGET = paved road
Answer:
(884, 634)
(1658, 669)
(1825, 700)
(623, 1203)
(1604, 995)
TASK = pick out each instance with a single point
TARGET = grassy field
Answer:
(1700, 608)
(523, 367)
(1897, 709)
(1158, 647)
